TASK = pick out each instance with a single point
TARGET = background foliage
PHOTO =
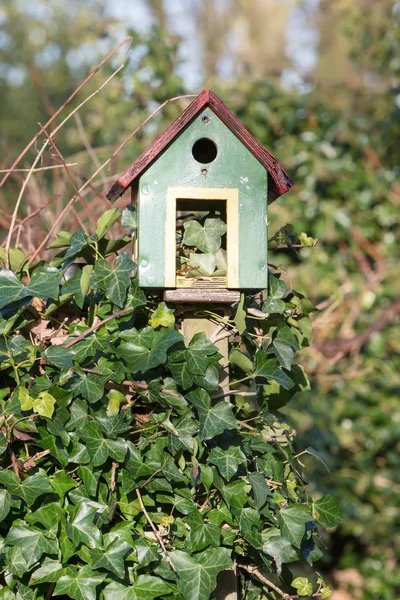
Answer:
(337, 136)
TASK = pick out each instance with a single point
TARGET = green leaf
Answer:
(279, 548)
(236, 357)
(162, 317)
(277, 289)
(90, 386)
(45, 283)
(207, 238)
(197, 575)
(182, 375)
(99, 447)
(202, 534)
(269, 369)
(327, 511)
(16, 256)
(260, 489)
(114, 280)
(79, 584)
(197, 353)
(62, 483)
(112, 558)
(303, 586)
(60, 357)
(214, 420)
(5, 504)
(33, 542)
(204, 264)
(48, 572)
(129, 217)
(106, 221)
(115, 399)
(11, 289)
(147, 349)
(293, 519)
(284, 345)
(82, 528)
(44, 404)
(30, 489)
(145, 587)
(77, 242)
(227, 461)
(25, 400)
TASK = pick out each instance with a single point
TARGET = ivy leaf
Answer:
(48, 572)
(268, 369)
(77, 242)
(11, 289)
(129, 218)
(181, 374)
(204, 264)
(82, 528)
(101, 448)
(277, 289)
(279, 548)
(145, 587)
(227, 461)
(303, 586)
(197, 353)
(260, 489)
(33, 542)
(207, 238)
(202, 534)
(106, 221)
(45, 283)
(90, 386)
(44, 404)
(79, 584)
(327, 512)
(62, 483)
(214, 420)
(293, 519)
(5, 504)
(25, 400)
(147, 349)
(114, 280)
(162, 317)
(30, 489)
(197, 575)
(284, 345)
(60, 357)
(111, 559)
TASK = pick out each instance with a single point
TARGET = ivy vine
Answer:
(126, 474)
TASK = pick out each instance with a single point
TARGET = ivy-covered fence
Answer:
(126, 474)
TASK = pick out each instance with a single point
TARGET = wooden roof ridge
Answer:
(279, 181)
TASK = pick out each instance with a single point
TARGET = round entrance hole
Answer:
(204, 151)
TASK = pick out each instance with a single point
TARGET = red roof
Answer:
(279, 181)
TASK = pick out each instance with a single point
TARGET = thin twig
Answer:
(70, 176)
(45, 144)
(38, 169)
(103, 166)
(233, 393)
(71, 97)
(261, 577)
(115, 315)
(150, 522)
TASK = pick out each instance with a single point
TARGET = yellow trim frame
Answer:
(231, 196)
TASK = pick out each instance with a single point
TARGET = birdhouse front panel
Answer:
(205, 168)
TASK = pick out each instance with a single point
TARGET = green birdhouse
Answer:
(202, 191)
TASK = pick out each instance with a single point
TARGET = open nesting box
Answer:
(208, 169)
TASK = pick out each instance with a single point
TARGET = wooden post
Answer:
(227, 580)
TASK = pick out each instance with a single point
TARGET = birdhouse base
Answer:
(201, 282)
(202, 295)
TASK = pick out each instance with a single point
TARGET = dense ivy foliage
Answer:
(126, 472)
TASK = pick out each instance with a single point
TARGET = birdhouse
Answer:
(202, 191)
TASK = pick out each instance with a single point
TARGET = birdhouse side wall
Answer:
(233, 168)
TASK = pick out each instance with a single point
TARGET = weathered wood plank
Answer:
(202, 295)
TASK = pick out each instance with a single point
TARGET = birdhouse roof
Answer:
(279, 181)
